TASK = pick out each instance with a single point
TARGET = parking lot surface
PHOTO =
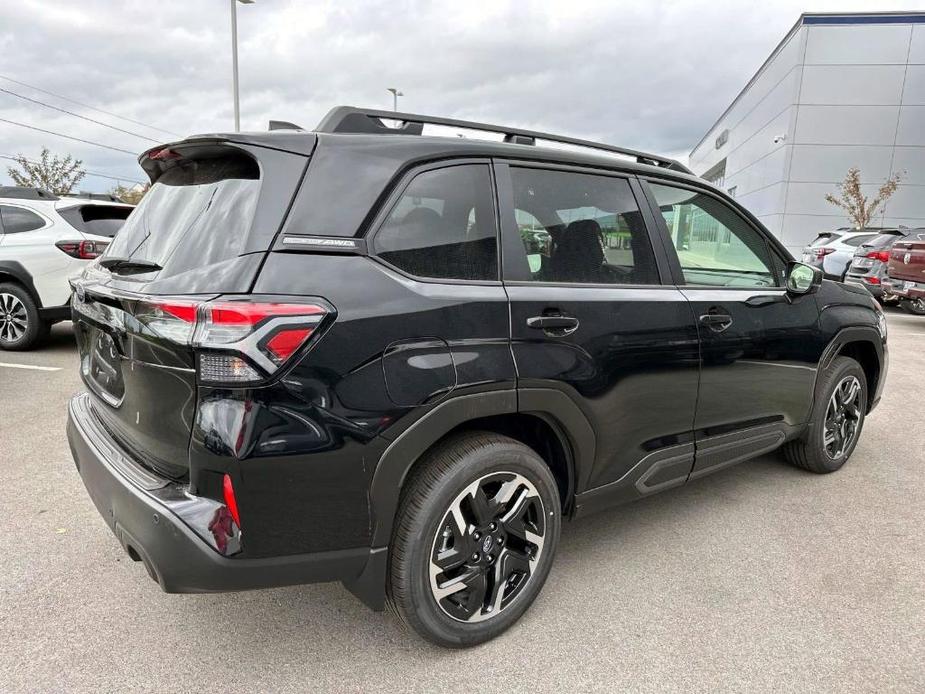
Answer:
(762, 577)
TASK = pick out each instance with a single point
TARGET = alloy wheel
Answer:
(842, 417)
(14, 321)
(487, 547)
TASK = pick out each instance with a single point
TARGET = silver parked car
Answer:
(871, 260)
(832, 251)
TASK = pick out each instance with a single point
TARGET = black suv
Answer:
(399, 361)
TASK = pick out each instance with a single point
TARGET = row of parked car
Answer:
(44, 240)
(888, 262)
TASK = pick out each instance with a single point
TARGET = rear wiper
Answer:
(129, 266)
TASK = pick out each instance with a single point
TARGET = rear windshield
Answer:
(823, 239)
(99, 220)
(884, 240)
(197, 213)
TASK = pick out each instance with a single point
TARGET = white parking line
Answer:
(30, 366)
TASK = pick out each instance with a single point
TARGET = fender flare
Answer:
(549, 404)
(857, 333)
(553, 406)
(21, 276)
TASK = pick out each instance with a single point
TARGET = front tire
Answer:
(914, 306)
(837, 419)
(21, 326)
(474, 539)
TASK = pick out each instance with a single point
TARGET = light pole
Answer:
(234, 59)
(395, 95)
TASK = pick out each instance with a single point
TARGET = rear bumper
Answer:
(896, 287)
(54, 314)
(150, 530)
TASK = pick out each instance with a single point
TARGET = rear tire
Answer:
(837, 419)
(21, 326)
(914, 306)
(460, 586)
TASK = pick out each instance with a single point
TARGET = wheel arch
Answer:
(546, 420)
(863, 344)
(12, 271)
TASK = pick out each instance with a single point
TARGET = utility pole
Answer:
(395, 95)
(234, 60)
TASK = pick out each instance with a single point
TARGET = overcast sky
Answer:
(651, 75)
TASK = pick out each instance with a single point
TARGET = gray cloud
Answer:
(649, 75)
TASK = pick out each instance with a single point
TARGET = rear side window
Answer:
(16, 219)
(858, 240)
(197, 213)
(99, 220)
(581, 228)
(443, 226)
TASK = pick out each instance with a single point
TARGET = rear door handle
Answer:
(555, 326)
(717, 322)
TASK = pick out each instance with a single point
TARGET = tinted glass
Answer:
(197, 213)
(16, 219)
(884, 240)
(858, 240)
(443, 226)
(581, 228)
(99, 220)
(715, 245)
(823, 239)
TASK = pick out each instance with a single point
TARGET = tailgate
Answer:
(200, 231)
(143, 386)
(907, 261)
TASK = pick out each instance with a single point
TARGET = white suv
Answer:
(832, 251)
(44, 240)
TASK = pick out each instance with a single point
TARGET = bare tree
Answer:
(131, 195)
(852, 200)
(57, 174)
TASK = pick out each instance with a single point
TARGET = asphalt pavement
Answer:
(759, 578)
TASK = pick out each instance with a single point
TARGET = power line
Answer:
(89, 173)
(69, 137)
(92, 108)
(76, 115)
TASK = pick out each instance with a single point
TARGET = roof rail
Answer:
(26, 193)
(349, 119)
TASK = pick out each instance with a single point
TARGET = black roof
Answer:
(352, 127)
(27, 193)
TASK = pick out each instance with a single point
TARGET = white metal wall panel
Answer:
(860, 44)
(846, 125)
(852, 84)
(826, 163)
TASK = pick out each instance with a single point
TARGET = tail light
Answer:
(230, 501)
(872, 280)
(882, 256)
(822, 251)
(235, 341)
(84, 250)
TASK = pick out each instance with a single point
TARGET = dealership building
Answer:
(840, 90)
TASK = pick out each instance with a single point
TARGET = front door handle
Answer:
(717, 322)
(554, 326)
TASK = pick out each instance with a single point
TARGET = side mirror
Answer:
(803, 279)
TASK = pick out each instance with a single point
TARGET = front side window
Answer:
(581, 228)
(16, 219)
(716, 246)
(443, 226)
